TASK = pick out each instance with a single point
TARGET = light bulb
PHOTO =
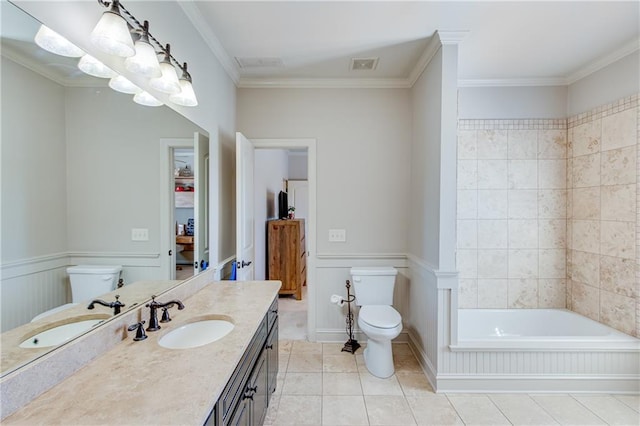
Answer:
(145, 61)
(186, 96)
(168, 82)
(111, 34)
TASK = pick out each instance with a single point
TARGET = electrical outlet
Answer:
(337, 235)
(139, 234)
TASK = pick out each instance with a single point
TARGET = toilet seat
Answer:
(380, 316)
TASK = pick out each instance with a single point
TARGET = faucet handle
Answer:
(139, 327)
(165, 315)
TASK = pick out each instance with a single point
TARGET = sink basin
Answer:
(57, 335)
(196, 334)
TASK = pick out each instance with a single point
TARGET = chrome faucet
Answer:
(153, 314)
(115, 305)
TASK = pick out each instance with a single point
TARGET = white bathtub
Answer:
(536, 330)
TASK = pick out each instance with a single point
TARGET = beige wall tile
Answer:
(586, 235)
(523, 174)
(586, 203)
(552, 293)
(618, 166)
(618, 311)
(619, 129)
(467, 144)
(492, 293)
(492, 144)
(570, 173)
(586, 171)
(552, 263)
(552, 174)
(552, 144)
(618, 239)
(492, 263)
(523, 263)
(552, 203)
(467, 204)
(493, 233)
(468, 174)
(523, 204)
(492, 204)
(523, 144)
(523, 293)
(585, 268)
(552, 233)
(467, 263)
(619, 202)
(523, 233)
(586, 138)
(618, 275)
(467, 233)
(585, 300)
(492, 174)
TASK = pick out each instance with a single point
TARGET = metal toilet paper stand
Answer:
(352, 344)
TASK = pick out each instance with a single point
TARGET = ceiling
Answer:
(507, 42)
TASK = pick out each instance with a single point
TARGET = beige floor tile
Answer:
(302, 384)
(372, 385)
(333, 348)
(566, 410)
(339, 363)
(305, 363)
(388, 410)
(406, 364)
(610, 409)
(272, 411)
(415, 384)
(401, 349)
(344, 410)
(433, 410)
(302, 346)
(478, 410)
(299, 410)
(341, 384)
(283, 362)
(284, 346)
(280, 381)
(631, 401)
(522, 410)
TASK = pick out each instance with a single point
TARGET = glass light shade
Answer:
(168, 82)
(146, 99)
(186, 97)
(111, 33)
(53, 42)
(94, 67)
(145, 61)
(122, 84)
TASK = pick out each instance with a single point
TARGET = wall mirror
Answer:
(80, 170)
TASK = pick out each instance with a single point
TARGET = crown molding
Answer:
(195, 16)
(451, 37)
(604, 61)
(317, 83)
(511, 82)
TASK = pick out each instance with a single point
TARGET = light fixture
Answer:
(94, 67)
(146, 99)
(111, 34)
(122, 84)
(53, 42)
(168, 81)
(145, 61)
(186, 96)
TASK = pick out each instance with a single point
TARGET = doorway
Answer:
(297, 317)
(183, 211)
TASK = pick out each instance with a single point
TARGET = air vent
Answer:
(364, 64)
(260, 62)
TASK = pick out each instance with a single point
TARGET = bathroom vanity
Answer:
(228, 381)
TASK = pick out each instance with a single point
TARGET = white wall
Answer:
(618, 80)
(298, 167)
(270, 170)
(34, 191)
(512, 102)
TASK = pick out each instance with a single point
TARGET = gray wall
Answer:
(512, 102)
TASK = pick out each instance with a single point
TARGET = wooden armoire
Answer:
(286, 255)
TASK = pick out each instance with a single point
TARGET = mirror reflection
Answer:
(80, 183)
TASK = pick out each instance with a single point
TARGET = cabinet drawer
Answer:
(272, 314)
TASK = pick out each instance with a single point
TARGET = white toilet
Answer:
(377, 319)
(87, 282)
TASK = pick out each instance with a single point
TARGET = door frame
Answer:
(310, 145)
(167, 203)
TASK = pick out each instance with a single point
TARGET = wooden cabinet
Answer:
(286, 254)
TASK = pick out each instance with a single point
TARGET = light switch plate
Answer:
(337, 235)
(139, 234)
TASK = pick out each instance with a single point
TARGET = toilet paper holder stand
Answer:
(352, 344)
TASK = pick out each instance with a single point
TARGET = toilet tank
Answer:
(91, 281)
(374, 285)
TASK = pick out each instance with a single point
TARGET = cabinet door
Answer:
(272, 360)
(257, 389)
(242, 416)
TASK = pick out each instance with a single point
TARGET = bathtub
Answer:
(536, 329)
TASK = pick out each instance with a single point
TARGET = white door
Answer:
(201, 202)
(245, 247)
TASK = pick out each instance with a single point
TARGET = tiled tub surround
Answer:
(602, 257)
(512, 213)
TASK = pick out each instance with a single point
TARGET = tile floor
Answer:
(320, 385)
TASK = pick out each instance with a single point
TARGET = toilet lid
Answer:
(381, 316)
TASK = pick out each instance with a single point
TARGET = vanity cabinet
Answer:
(245, 399)
(286, 253)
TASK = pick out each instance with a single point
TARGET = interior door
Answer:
(201, 202)
(245, 218)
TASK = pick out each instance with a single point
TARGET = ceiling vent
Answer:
(260, 62)
(364, 64)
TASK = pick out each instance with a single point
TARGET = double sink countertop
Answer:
(140, 382)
